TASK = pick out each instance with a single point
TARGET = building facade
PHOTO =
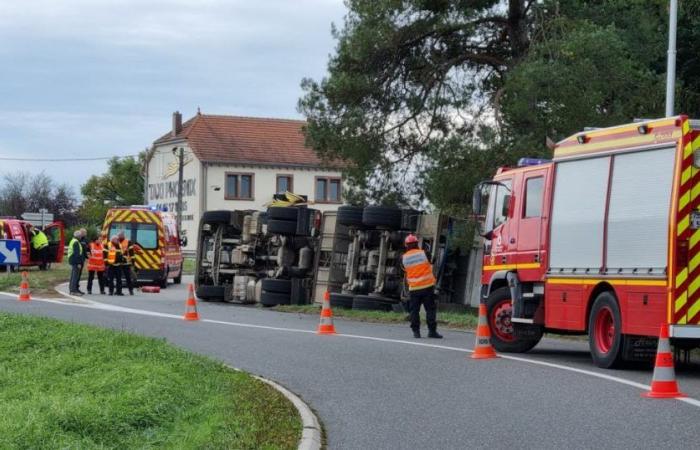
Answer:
(235, 163)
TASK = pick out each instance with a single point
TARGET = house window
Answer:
(285, 183)
(239, 186)
(328, 190)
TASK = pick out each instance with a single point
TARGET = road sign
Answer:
(9, 252)
(40, 218)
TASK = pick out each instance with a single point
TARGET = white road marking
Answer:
(106, 307)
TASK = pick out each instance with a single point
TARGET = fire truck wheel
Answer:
(224, 216)
(284, 227)
(339, 300)
(368, 303)
(283, 212)
(605, 337)
(178, 278)
(382, 217)
(208, 292)
(350, 216)
(279, 286)
(274, 298)
(500, 311)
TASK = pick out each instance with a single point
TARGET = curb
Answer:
(311, 434)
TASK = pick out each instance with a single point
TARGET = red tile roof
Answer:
(246, 140)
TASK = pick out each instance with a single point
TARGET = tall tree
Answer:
(121, 185)
(22, 192)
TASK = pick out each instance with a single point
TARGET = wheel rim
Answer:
(500, 320)
(604, 330)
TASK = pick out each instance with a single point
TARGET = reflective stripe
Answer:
(419, 271)
(96, 261)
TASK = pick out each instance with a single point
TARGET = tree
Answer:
(22, 192)
(121, 185)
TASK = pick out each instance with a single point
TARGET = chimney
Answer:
(177, 124)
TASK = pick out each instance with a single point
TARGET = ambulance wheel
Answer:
(499, 310)
(605, 337)
(382, 217)
(283, 212)
(178, 278)
(163, 282)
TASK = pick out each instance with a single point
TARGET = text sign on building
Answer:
(9, 252)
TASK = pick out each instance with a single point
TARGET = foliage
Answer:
(121, 185)
(21, 192)
(74, 386)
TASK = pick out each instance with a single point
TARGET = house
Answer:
(235, 163)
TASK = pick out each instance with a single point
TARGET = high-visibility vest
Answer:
(111, 253)
(39, 240)
(96, 260)
(419, 271)
(125, 250)
(70, 247)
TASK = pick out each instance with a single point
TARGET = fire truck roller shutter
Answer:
(578, 214)
(638, 214)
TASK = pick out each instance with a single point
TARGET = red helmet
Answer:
(411, 239)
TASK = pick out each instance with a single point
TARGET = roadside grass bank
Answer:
(188, 265)
(449, 319)
(41, 282)
(75, 386)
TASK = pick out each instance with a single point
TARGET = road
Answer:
(374, 386)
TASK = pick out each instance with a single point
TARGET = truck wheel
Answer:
(284, 227)
(274, 299)
(223, 216)
(209, 292)
(350, 216)
(382, 217)
(605, 337)
(339, 300)
(367, 303)
(278, 286)
(500, 311)
(178, 278)
(283, 212)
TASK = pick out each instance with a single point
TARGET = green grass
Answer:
(455, 320)
(74, 386)
(188, 266)
(41, 282)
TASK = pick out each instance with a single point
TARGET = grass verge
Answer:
(74, 386)
(455, 320)
(41, 282)
(188, 265)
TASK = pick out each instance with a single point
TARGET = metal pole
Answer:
(671, 63)
(181, 156)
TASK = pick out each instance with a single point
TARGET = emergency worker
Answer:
(96, 263)
(128, 250)
(421, 286)
(76, 259)
(40, 247)
(114, 259)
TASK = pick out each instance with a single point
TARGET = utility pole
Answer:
(671, 63)
(181, 158)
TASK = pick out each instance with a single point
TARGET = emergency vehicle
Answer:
(603, 240)
(156, 234)
(13, 228)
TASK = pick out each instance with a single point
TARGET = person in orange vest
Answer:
(114, 259)
(96, 263)
(128, 251)
(421, 287)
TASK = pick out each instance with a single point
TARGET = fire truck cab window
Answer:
(533, 197)
(502, 198)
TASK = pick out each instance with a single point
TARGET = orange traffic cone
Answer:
(663, 383)
(326, 326)
(191, 306)
(24, 288)
(483, 348)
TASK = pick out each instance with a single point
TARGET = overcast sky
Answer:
(89, 78)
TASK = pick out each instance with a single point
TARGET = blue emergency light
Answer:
(524, 162)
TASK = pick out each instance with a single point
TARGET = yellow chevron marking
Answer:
(681, 277)
(684, 200)
(695, 238)
(681, 301)
(682, 320)
(693, 309)
(694, 286)
(683, 224)
(688, 150)
(686, 127)
(685, 176)
(618, 282)
(694, 262)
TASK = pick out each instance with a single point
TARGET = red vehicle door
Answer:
(530, 230)
(55, 233)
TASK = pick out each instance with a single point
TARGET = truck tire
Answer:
(283, 227)
(350, 216)
(283, 212)
(274, 299)
(339, 300)
(367, 303)
(208, 292)
(605, 337)
(221, 216)
(178, 278)
(382, 217)
(278, 286)
(499, 312)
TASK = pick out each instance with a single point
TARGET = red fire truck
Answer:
(603, 240)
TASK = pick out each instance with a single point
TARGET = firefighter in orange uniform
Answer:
(128, 250)
(96, 263)
(421, 286)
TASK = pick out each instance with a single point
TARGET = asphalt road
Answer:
(374, 386)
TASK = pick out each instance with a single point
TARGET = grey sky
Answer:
(86, 78)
